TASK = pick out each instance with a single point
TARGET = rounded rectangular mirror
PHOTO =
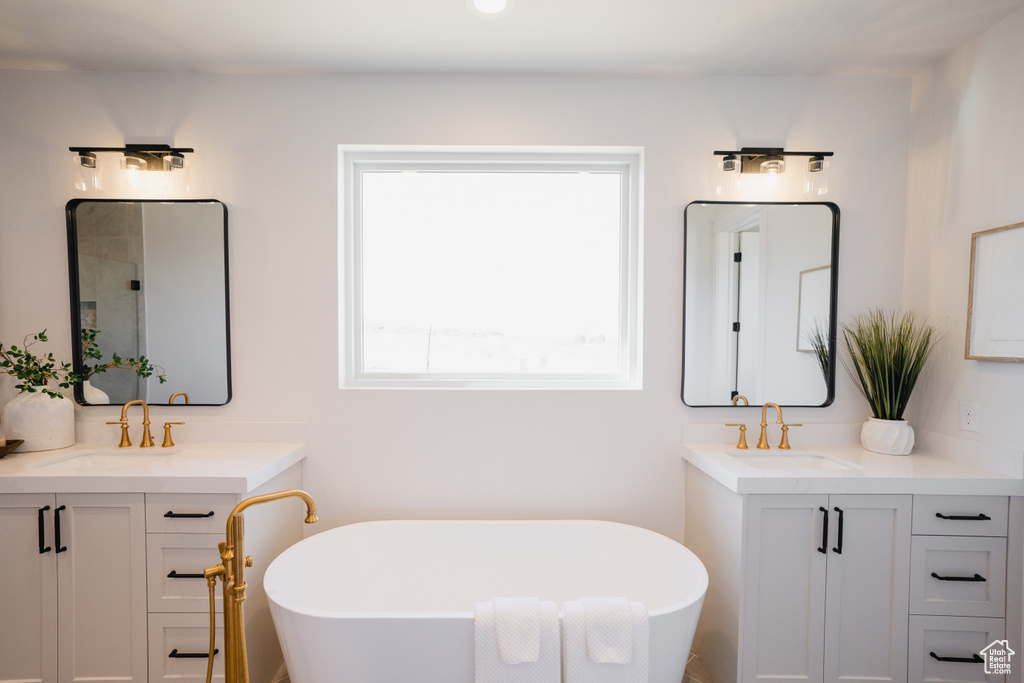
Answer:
(149, 280)
(759, 316)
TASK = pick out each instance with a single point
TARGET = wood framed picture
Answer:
(995, 299)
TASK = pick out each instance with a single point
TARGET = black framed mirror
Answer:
(149, 279)
(759, 305)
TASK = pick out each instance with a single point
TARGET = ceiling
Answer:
(688, 37)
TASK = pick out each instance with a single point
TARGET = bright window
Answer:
(490, 267)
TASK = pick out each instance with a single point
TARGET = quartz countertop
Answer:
(938, 465)
(191, 468)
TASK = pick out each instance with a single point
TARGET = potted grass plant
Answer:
(887, 352)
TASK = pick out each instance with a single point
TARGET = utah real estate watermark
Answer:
(997, 656)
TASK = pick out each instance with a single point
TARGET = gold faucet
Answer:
(147, 438)
(742, 443)
(170, 401)
(231, 571)
(738, 397)
(762, 442)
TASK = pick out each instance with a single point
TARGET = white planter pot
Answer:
(44, 423)
(892, 437)
(94, 396)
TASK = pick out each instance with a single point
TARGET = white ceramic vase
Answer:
(94, 396)
(892, 437)
(45, 423)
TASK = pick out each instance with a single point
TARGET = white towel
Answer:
(490, 665)
(577, 663)
(609, 630)
(517, 623)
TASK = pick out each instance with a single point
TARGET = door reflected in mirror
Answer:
(149, 283)
(760, 303)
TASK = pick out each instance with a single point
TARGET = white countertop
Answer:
(185, 468)
(938, 465)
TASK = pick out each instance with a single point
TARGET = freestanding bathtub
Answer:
(392, 602)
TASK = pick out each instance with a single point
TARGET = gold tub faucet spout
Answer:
(762, 442)
(231, 572)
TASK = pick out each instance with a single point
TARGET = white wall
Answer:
(966, 176)
(267, 147)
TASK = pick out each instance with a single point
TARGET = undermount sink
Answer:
(106, 459)
(793, 460)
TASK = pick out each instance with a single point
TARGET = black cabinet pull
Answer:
(56, 529)
(824, 531)
(42, 540)
(839, 547)
(189, 655)
(976, 577)
(187, 515)
(980, 517)
(175, 575)
(973, 659)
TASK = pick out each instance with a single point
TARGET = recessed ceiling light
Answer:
(490, 8)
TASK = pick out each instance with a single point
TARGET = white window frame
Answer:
(354, 159)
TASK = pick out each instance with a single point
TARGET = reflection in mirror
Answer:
(760, 303)
(148, 281)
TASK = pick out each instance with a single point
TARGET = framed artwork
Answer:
(813, 305)
(995, 298)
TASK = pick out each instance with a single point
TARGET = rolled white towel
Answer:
(518, 660)
(578, 665)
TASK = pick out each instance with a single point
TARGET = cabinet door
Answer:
(28, 589)
(102, 587)
(782, 622)
(867, 588)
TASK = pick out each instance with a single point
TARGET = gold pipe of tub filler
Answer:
(762, 443)
(170, 401)
(231, 571)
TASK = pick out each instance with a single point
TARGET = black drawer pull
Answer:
(188, 515)
(42, 542)
(823, 549)
(976, 577)
(56, 529)
(175, 575)
(839, 548)
(973, 659)
(189, 655)
(980, 517)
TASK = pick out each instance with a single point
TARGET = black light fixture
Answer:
(768, 159)
(135, 158)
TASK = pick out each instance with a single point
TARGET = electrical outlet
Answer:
(969, 417)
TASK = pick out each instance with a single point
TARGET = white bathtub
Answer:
(392, 602)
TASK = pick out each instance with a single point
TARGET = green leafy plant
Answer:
(818, 340)
(887, 353)
(141, 366)
(35, 373)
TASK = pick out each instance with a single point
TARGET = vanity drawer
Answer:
(174, 567)
(958, 576)
(188, 513)
(956, 638)
(173, 635)
(960, 515)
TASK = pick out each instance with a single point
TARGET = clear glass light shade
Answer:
(816, 177)
(727, 176)
(86, 172)
(773, 166)
(133, 168)
(176, 174)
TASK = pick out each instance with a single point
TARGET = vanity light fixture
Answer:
(135, 158)
(490, 8)
(771, 161)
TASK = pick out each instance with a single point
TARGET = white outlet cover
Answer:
(969, 417)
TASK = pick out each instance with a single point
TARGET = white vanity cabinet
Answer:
(824, 587)
(119, 595)
(72, 573)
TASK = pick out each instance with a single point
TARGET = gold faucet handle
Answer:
(167, 433)
(784, 444)
(742, 444)
(125, 441)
